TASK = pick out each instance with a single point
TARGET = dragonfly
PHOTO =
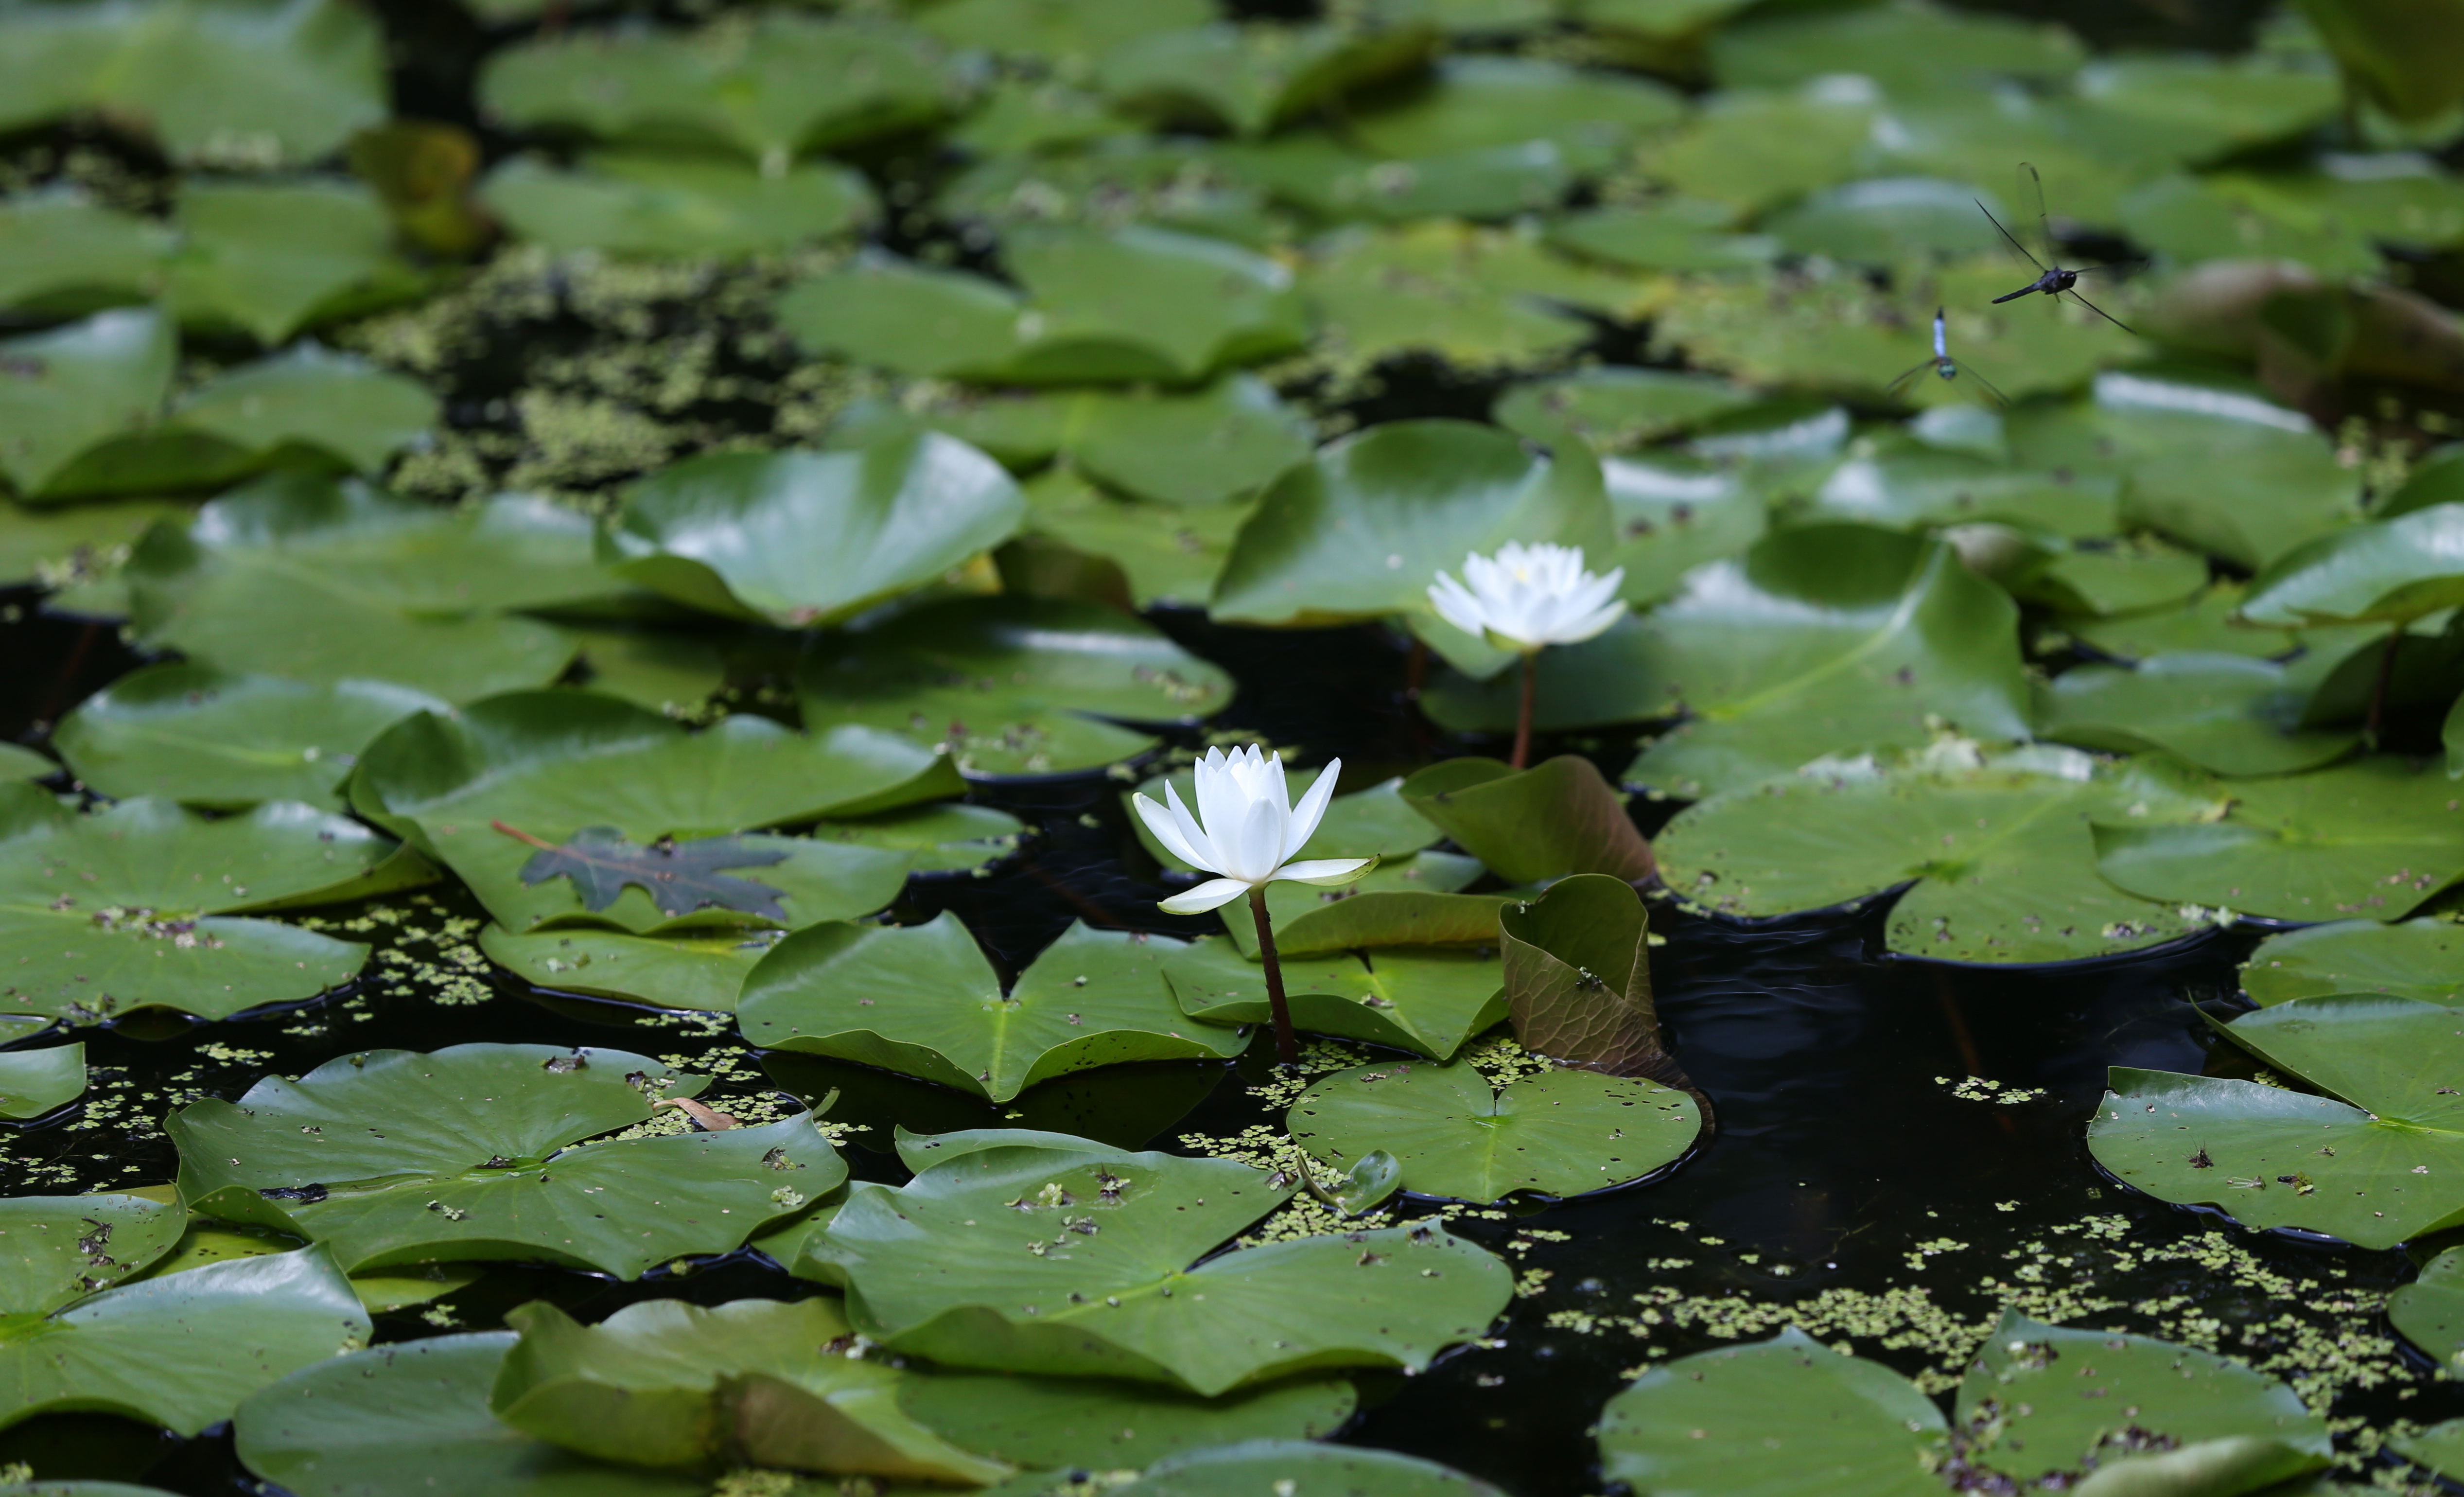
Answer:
(2053, 280)
(1944, 365)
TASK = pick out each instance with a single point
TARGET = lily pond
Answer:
(1231, 748)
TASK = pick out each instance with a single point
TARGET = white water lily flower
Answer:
(1246, 829)
(1527, 598)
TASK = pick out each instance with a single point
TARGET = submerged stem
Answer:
(1523, 715)
(1288, 1049)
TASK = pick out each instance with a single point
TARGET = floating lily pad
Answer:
(180, 1352)
(271, 258)
(2096, 580)
(2382, 1164)
(1031, 1290)
(2430, 1310)
(1219, 443)
(2187, 219)
(210, 738)
(1674, 512)
(1057, 1424)
(2207, 623)
(801, 539)
(548, 764)
(2226, 714)
(60, 251)
(58, 1249)
(1473, 295)
(2192, 108)
(119, 910)
(76, 387)
(1072, 31)
(675, 1386)
(478, 1151)
(1529, 825)
(1771, 1411)
(1249, 79)
(217, 82)
(1936, 488)
(1331, 180)
(1615, 408)
(1229, 1470)
(1426, 1000)
(1577, 963)
(34, 1081)
(770, 85)
(23, 763)
(1161, 555)
(1886, 221)
(1562, 1133)
(310, 399)
(1472, 103)
(1012, 685)
(1908, 47)
(411, 1419)
(2420, 958)
(1674, 234)
(2440, 1447)
(2000, 850)
(1410, 903)
(924, 1001)
(2391, 572)
(642, 203)
(1755, 148)
(2373, 838)
(1362, 530)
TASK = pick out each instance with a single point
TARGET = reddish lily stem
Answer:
(1288, 1049)
(1523, 715)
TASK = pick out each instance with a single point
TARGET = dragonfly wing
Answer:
(2101, 312)
(2032, 199)
(1989, 389)
(2014, 242)
(1893, 388)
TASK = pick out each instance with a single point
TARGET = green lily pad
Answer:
(1057, 30)
(2186, 219)
(2184, 443)
(1255, 1464)
(1396, 909)
(2099, 579)
(1361, 531)
(1332, 181)
(1752, 147)
(1094, 997)
(549, 764)
(2229, 715)
(1058, 1424)
(2391, 572)
(770, 85)
(1373, 822)
(2205, 624)
(1562, 1133)
(1674, 512)
(1472, 103)
(1886, 221)
(34, 1081)
(2376, 1161)
(675, 1386)
(1916, 489)
(1161, 555)
(271, 258)
(642, 203)
(2440, 1447)
(23, 763)
(1577, 963)
(1207, 446)
(308, 397)
(1250, 78)
(1908, 47)
(1011, 686)
(214, 83)
(325, 582)
(1476, 296)
(2374, 838)
(122, 904)
(62, 252)
(1032, 1291)
(2420, 958)
(478, 1151)
(2000, 850)
(180, 1352)
(58, 1249)
(1675, 233)
(412, 1419)
(75, 387)
(79, 549)
(1427, 1000)
(1529, 825)
(222, 742)
(1033, 169)
(2430, 1310)
(1706, 1423)
(800, 538)
(1615, 408)
(2192, 108)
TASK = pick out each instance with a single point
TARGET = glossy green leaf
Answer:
(2375, 1161)
(1886, 221)
(2401, 56)
(180, 1352)
(234, 84)
(2229, 715)
(1100, 1425)
(1427, 1000)
(271, 258)
(1162, 556)
(937, 1009)
(1219, 443)
(812, 538)
(2391, 572)
(1074, 30)
(1474, 296)
(2194, 108)
(2186, 219)
(79, 549)
(1679, 233)
(769, 85)
(1031, 1290)
(550, 763)
(1577, 963)
(1752, 147)
(58, 1249)
(2430, 1310)
(1908, 47)
(2373, 838)
(61, 250)
(2125, 577)
(411, 1419)
(2440, 1447)
(2421, 959)
(1563, 1132)
(131, 907)
(76, 387)
(1230, 1470)
(1615, 408)
(2000, 850)
(1557, 818)
(1011, 685)
(23, 763)
(2206, 624)
(1475, 103)
(649, 204)
(670, 1385)
(1362, 530)
(224, 741)
(1249, 79)
(490, 1152)
(34, 1081)
(1909, 490)
(306, 397)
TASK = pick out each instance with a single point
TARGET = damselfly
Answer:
(1942, 363)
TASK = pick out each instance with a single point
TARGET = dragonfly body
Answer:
(1942, 365)
(2052, 281)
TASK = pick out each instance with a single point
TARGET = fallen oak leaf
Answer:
(680, 877)
(710, 1118)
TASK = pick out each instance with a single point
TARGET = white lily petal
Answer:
(1167, 832)
(1311, 810)
(1212, 895)
(1253, 846)
(1590, 628)
(1325, 871)
(1220, 802)
(1209, 857)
